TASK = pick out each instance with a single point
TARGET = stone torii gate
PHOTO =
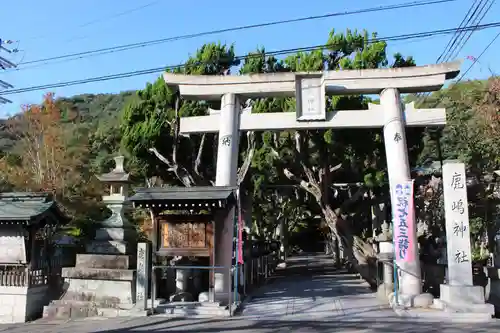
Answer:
(310, 90)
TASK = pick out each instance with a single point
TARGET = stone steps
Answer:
(73, 309)
(198, 309)
(77, 311)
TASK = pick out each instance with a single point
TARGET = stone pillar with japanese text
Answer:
(457, 225)
(459, 294)
(142, 279)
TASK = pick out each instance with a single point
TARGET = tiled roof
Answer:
(26, 206)
(183, 194)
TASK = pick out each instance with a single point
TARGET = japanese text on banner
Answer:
(403, 219)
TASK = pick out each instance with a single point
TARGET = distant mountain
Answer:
(88, 109)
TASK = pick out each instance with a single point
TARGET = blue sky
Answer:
(55, 27)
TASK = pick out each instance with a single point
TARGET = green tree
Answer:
(471, 135)
(309, 160)
(315, 159)
(150, 125)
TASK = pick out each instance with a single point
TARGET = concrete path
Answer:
(308, 296)
(157, 324)
(311, 288)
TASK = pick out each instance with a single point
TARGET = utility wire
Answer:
(477, 20)
(459, 43)
(459, 37)
(273, 53)
(455, 35)
(125, 47)
(478, 57)
(472, 65)
(101, 19)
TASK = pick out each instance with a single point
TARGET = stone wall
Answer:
(20, 304)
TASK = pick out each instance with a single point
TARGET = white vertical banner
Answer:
(458, 247)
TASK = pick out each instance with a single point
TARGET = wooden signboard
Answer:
(185, 237)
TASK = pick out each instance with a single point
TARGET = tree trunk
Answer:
(358, 252)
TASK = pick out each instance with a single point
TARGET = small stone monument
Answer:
(386, 258)
(459, 294)
(141, 288)
(102, 282)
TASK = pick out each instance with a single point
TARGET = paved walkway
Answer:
(311, 288)
(157, 324)
(308, 296)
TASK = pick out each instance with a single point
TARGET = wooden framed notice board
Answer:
(185, 235)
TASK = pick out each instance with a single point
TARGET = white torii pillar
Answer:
(310, 90)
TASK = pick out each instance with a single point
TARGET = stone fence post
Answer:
(143, 272)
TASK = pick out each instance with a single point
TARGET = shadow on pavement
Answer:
(269, 326)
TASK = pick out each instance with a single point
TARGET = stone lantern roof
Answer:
(117, 175)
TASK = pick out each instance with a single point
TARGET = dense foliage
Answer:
(61, 144)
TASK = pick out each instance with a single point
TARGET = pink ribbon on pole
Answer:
(403, 221)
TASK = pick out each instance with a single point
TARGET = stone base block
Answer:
(204, 297)
(282, 265)
(384, 290)
(486, 309)
(110, 261)
(463, 299)
(411, 301)
(423, 300)
(462, 294)
(105, 293)
(181, 297)
(114, 234)
(109, 247)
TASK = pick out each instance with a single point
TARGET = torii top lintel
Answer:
(367, 81)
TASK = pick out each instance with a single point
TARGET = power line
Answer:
(125, 47)
(455, 36)
(102, 19)
(273, 53)
(458, 43)
(472, 65)
(446, 52)
(477, 20)
(478, 57)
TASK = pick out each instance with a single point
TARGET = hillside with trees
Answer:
(62, 143)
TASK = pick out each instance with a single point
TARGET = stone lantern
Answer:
(117, 182)
(103, 279)
(116, 233)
